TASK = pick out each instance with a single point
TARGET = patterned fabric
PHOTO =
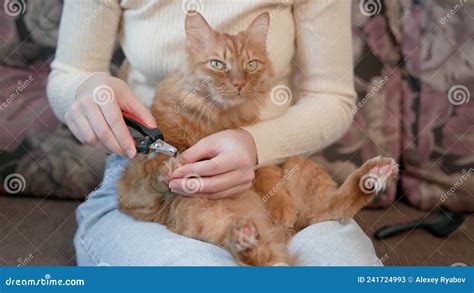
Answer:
(414, 75)
(438, 114)
(413, 62)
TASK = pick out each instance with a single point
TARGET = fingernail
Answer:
(176, 173)
(130, 153)
(173, 185)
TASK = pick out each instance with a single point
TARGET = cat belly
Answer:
(240, 224)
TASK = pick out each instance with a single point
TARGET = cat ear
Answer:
(257, 31)
(198, 31)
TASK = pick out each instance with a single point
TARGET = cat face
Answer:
(235, 68)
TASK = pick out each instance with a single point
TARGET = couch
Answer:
(413, 65)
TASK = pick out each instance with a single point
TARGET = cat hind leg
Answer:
(365, 183)
(253, 248)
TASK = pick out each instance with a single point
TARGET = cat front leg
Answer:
(143, 189)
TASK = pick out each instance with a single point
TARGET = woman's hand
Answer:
(218, 166)
(95, 117)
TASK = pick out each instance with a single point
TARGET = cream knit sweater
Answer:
(310, 39)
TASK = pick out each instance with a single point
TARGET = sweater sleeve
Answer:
(87, 35)
(323, 111)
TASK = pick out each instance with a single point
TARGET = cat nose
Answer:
(239, 84)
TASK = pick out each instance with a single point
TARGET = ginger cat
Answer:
(223, 84)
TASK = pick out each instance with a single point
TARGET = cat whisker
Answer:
(211, 108)
(192, 118)
(202, 112)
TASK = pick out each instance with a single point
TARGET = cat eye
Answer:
(251, 65)
(217, 64)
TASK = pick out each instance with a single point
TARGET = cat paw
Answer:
(242, 236)
(167, 168)
(376, 173)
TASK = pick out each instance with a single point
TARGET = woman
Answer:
(312, 37)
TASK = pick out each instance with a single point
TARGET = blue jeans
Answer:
(107, 236)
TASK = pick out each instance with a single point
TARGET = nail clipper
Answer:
(149, 141)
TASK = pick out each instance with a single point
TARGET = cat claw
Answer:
(380, 172)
